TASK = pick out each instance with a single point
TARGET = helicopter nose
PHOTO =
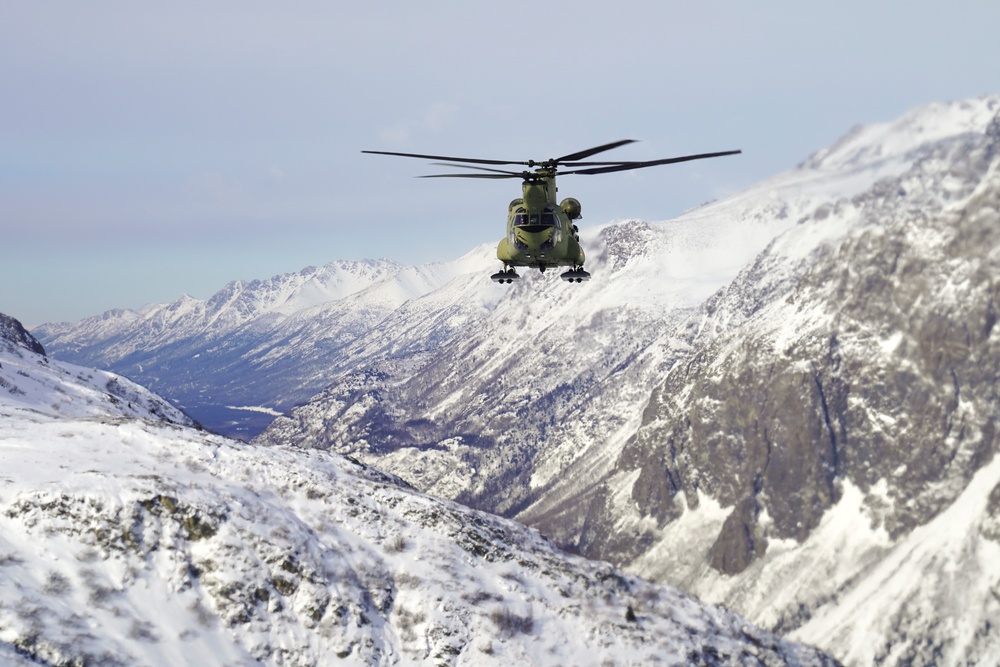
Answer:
(533, 238)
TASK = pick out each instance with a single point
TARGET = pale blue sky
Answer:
(149, 150)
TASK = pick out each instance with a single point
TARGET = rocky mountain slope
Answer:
(129, 540)
(841, 433)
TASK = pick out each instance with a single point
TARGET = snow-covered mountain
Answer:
(787, 444)
(126, 539)
(255, 348)
(782, 400)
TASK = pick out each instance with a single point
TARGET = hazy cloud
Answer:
(434, 119)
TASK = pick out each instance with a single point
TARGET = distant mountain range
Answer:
(254, 348)
(783, 401)
(128, 537)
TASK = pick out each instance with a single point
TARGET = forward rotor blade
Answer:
(495, 171)
(582, 155)
(442, 157)
(625, 166)
(472, 176)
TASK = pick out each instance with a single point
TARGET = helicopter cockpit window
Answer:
(534, 222)
(520, 217)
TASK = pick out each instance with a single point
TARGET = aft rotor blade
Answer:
(625, 166)
(442, 157)
(582, 155)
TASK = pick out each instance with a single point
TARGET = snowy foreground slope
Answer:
(129, 540)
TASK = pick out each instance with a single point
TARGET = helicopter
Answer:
(540, 233)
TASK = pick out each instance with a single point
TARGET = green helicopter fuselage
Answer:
(541, 233)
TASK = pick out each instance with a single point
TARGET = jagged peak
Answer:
(867, 145)
(626, 239)
(14, 333)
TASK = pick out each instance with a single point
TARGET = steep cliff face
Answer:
(871, 375)
(879, 363)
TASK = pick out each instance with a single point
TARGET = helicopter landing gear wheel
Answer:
(507, 275)
(576, 275)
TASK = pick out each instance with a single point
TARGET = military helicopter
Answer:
(540, 233)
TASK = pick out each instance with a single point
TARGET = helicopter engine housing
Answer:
(571, 207)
